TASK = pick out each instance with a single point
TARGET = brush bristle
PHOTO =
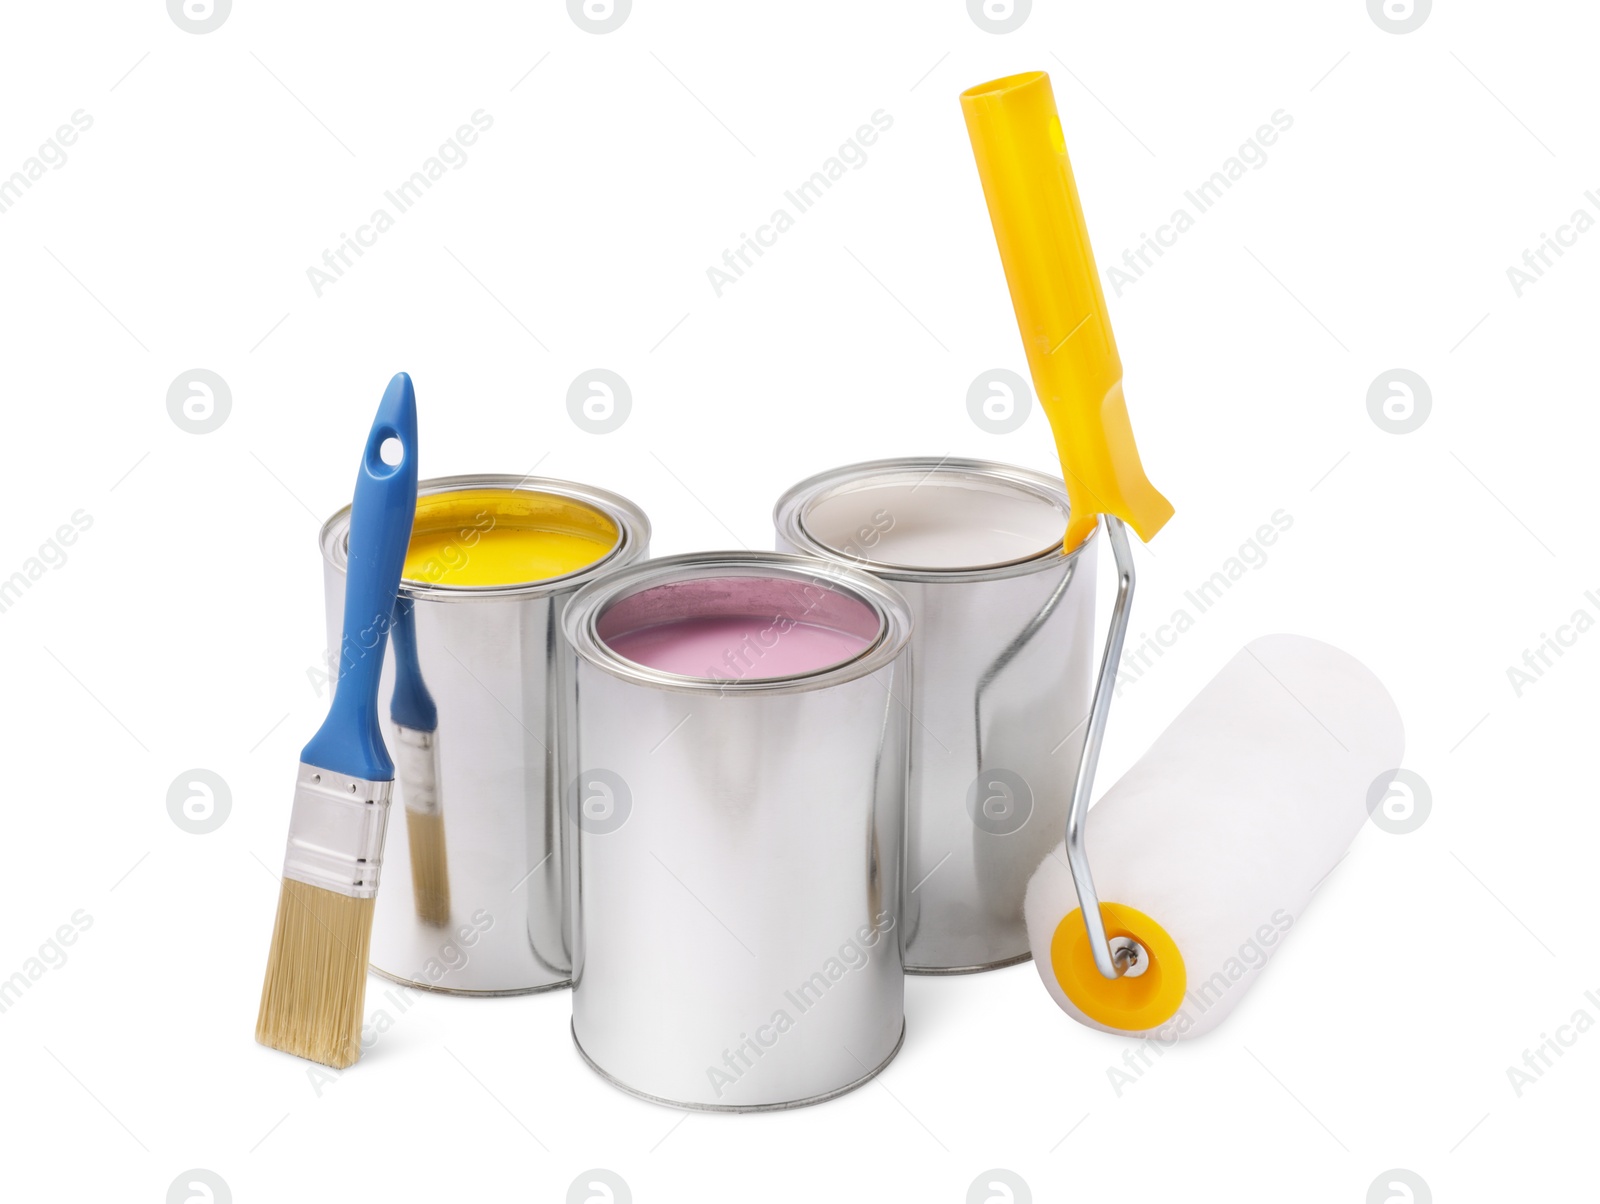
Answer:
(316, 985)
(430, 875)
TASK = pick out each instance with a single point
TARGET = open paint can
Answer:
(477, 703)
(1002, 654)
(740, 808)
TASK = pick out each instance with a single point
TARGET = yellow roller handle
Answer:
(1061, 310)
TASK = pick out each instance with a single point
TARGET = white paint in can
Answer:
(946, 520)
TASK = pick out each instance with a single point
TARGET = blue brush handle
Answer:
(381, 513)
(411, 705)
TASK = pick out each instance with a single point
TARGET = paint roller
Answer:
(1206, 852)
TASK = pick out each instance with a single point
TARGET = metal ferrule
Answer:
(416, 764)
(336, 832)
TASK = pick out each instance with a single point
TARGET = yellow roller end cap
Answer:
(1132, 1004)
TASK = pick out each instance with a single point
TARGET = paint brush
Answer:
(416, 729)
(311, 1001)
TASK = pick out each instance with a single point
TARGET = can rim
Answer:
(589, 604)
(633, 536)
(788, 515)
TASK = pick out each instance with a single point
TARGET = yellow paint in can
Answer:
(479, 537)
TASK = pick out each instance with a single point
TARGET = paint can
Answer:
(477, 702)
(1002, 654)
(739, 814)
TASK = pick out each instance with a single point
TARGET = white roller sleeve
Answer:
(1226, 825)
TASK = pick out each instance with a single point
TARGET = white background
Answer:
(180, 630)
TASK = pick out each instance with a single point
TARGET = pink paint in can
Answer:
(739, 628)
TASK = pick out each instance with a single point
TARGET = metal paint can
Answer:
(1002, 653)
(487, 773)
(740, 837)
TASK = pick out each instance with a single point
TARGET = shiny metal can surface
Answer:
(740, 836)
(484, 838)
(1002, 655)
